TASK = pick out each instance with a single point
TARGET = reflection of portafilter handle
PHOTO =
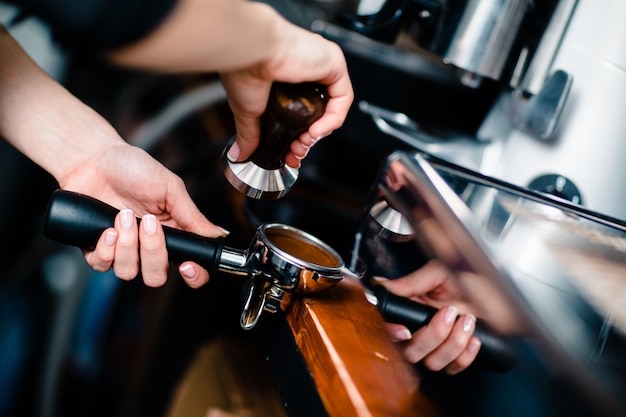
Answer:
(291, 109)
(496, 353)
(79, 220)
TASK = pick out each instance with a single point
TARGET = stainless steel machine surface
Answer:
(558, 67)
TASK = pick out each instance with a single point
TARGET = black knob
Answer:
(558, 186)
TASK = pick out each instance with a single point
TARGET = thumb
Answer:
(417, 283)
(398, 286)
(188, 217)
(247, 139)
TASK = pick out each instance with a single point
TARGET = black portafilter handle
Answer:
(79, 220)
(496, 353)
(291, 110)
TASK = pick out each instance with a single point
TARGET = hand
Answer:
(128, 178)
(250, 45)
(446, 342)
(304, 57)
(301, 56)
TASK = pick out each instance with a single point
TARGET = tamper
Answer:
(291, 109)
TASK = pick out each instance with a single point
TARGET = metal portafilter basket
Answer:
(291, 109)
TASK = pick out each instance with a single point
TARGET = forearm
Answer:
(42, 119)
(209, 35)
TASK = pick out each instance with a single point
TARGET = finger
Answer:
(300, 148)
(293, 161)
(101, 258)
(194, 275)
(297, 153)
(398, 332)
(466, 358)
(307, 140)
(334, 116)
(453, 346)
(341, 97)
(126, 262)
(419, 282)
(153, 252)
(186, 214)
(428, 338)
(247, 98)
(247, 138)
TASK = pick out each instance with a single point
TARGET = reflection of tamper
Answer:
(390, 223)
(291, 109)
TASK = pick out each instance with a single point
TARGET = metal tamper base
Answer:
(256, 182)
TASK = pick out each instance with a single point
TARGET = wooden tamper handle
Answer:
(291, 109)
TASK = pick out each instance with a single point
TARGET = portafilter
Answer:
(280, 260)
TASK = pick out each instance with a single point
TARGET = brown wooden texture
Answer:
(356, 367)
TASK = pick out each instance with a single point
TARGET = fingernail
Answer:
(380, 280)
(323, 136)
(473, 346)
(301, 157)
(224, 231)
(187, 271)
(468, 322)
(127, 218)
(149, 224)
(402, 335)
(450, 314)
(110, 238)
(233, 152)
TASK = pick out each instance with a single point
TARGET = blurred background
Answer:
(526, 91)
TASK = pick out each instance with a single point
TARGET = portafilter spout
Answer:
(281, 259)
(290, 110)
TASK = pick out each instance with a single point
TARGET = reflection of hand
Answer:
(446, 342)
(128, 178)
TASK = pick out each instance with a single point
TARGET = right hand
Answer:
(299, 56)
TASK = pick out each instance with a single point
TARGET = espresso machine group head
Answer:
(291, 109)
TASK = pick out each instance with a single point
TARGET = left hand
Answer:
(129, 179)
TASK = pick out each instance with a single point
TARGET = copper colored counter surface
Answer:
(357, 369)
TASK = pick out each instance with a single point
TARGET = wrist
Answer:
(58, 132)
(43, 120)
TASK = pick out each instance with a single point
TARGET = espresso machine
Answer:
(544, 81)
(533, 172)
